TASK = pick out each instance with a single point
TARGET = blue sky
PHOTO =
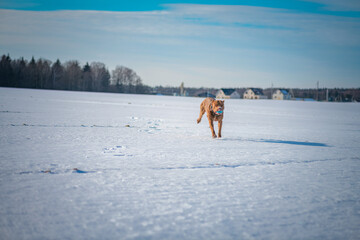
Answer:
(255, 43)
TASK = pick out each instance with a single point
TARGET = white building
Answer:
(281, 94)
(227, 93)
(254, 93)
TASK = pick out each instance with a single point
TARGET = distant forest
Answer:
(43, 74)
(95, 77)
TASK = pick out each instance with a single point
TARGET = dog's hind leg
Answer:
(202, 111)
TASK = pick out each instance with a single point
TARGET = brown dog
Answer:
(215, 112)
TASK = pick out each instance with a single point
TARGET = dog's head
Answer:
(218, 107)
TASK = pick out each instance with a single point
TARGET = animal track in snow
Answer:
(117, 151)
(147, 125)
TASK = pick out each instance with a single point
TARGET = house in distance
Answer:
(227, 93)
(254, 93)
(281, 94)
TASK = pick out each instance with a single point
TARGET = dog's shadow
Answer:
(312, 144)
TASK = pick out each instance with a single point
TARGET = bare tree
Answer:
(44, 73)
(72, 74)
(100, 76)
(125, 79)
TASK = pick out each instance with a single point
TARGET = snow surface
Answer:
(78, 165)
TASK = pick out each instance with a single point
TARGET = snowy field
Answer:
(78, 165)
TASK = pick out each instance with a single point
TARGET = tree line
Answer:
(321, 94)
(44, 74)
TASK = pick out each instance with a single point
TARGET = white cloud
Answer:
(204, 76)
(206, 42)
(187, 21)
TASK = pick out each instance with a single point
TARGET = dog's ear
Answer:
(223, 101)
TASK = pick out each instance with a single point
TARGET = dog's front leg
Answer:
(219, 127)
(212, 128)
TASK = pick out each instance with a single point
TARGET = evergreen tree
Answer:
(86, 79)
(19, 69)
(31, 74)
(6, 72)
(57, 72)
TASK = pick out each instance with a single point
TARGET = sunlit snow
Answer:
(78, 165)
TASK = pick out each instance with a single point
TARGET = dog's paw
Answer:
(198, 121)
(214, 136)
